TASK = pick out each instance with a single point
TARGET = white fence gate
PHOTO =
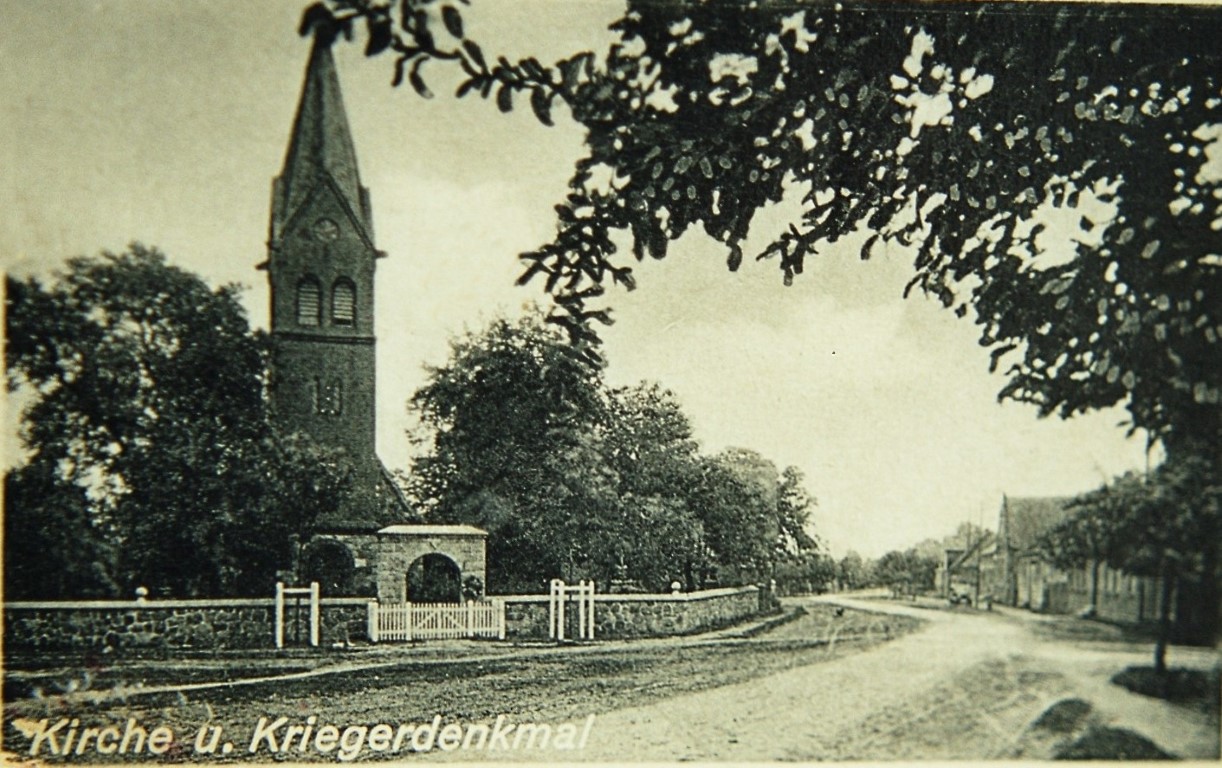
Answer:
(556, 599)
(435, 621)
(315, 616)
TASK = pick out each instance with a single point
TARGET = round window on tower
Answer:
(326, 230)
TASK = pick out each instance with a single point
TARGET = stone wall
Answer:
(217, 624)
(172, 624)
(629, 616)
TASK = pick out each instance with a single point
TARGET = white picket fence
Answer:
(435, 621)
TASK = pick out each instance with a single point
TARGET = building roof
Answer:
(1025, 519)
(320, 149)
(433, 530)
(984, 547)
(373, 509)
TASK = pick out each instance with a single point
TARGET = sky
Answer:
(164, 123)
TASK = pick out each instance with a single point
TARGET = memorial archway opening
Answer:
(434, 578)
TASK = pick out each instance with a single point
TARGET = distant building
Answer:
(970, 570)
(1028, 580)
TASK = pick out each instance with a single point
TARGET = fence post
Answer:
(470, 619)
(279, 620)
(411, 620)
(581, 609)
(315, 615)
(371, 621)
(500, 622)
(552, 609)
(590, 615)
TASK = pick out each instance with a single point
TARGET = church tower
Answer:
(320, 267)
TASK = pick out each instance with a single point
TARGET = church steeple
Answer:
(320, 150)
(320, 267)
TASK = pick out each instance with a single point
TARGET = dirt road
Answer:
(965, 687)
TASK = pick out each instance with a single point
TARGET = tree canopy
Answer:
(573, 479)
(906, 572)
(967, 134)
(151, 460)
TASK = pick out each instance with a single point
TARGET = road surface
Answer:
(965, 686)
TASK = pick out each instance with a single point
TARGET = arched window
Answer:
(309, 302)
(343, 302)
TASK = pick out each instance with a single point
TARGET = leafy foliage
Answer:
(905, 572)
(512, 419)
(574, 480)
(852, 571)
(649, 445)
(965, 132)
(151, 460)
(1088, 534)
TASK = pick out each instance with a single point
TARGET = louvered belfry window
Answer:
(343, 303)
(309, 301)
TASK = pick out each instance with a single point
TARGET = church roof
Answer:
(320, 149)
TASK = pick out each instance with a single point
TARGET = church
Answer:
(320, 267)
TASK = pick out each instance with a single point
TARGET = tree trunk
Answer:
(1164, 621)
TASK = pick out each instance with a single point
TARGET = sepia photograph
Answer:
(612, 381)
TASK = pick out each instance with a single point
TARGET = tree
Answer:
(737, 504)
(649, 446)
(852, 571)
(1170, 528)
(151, 458)
(905, 572)
(1085, 538)
(793, 507)
(961, 131)
(575, 480)
(1166, 525)
(511, 428)
(53, 548)
(805, 573)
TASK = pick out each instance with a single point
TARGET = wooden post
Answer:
(279, 615)
(371, 622)
(551, 610)
(500, 622)
(411, 620)
(581, 609)
(315, 615)
(470, 618)
(555, 629)
(590, 614)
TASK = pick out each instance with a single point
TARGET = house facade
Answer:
(1027, 580)
(970, 570)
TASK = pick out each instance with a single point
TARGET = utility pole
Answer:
(967, 551)
(979, 553)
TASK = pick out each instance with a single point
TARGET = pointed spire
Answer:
(320, 148)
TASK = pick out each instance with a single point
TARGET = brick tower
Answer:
(320, 267)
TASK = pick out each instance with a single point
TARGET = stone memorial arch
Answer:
(428, 563)
(421, 563)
